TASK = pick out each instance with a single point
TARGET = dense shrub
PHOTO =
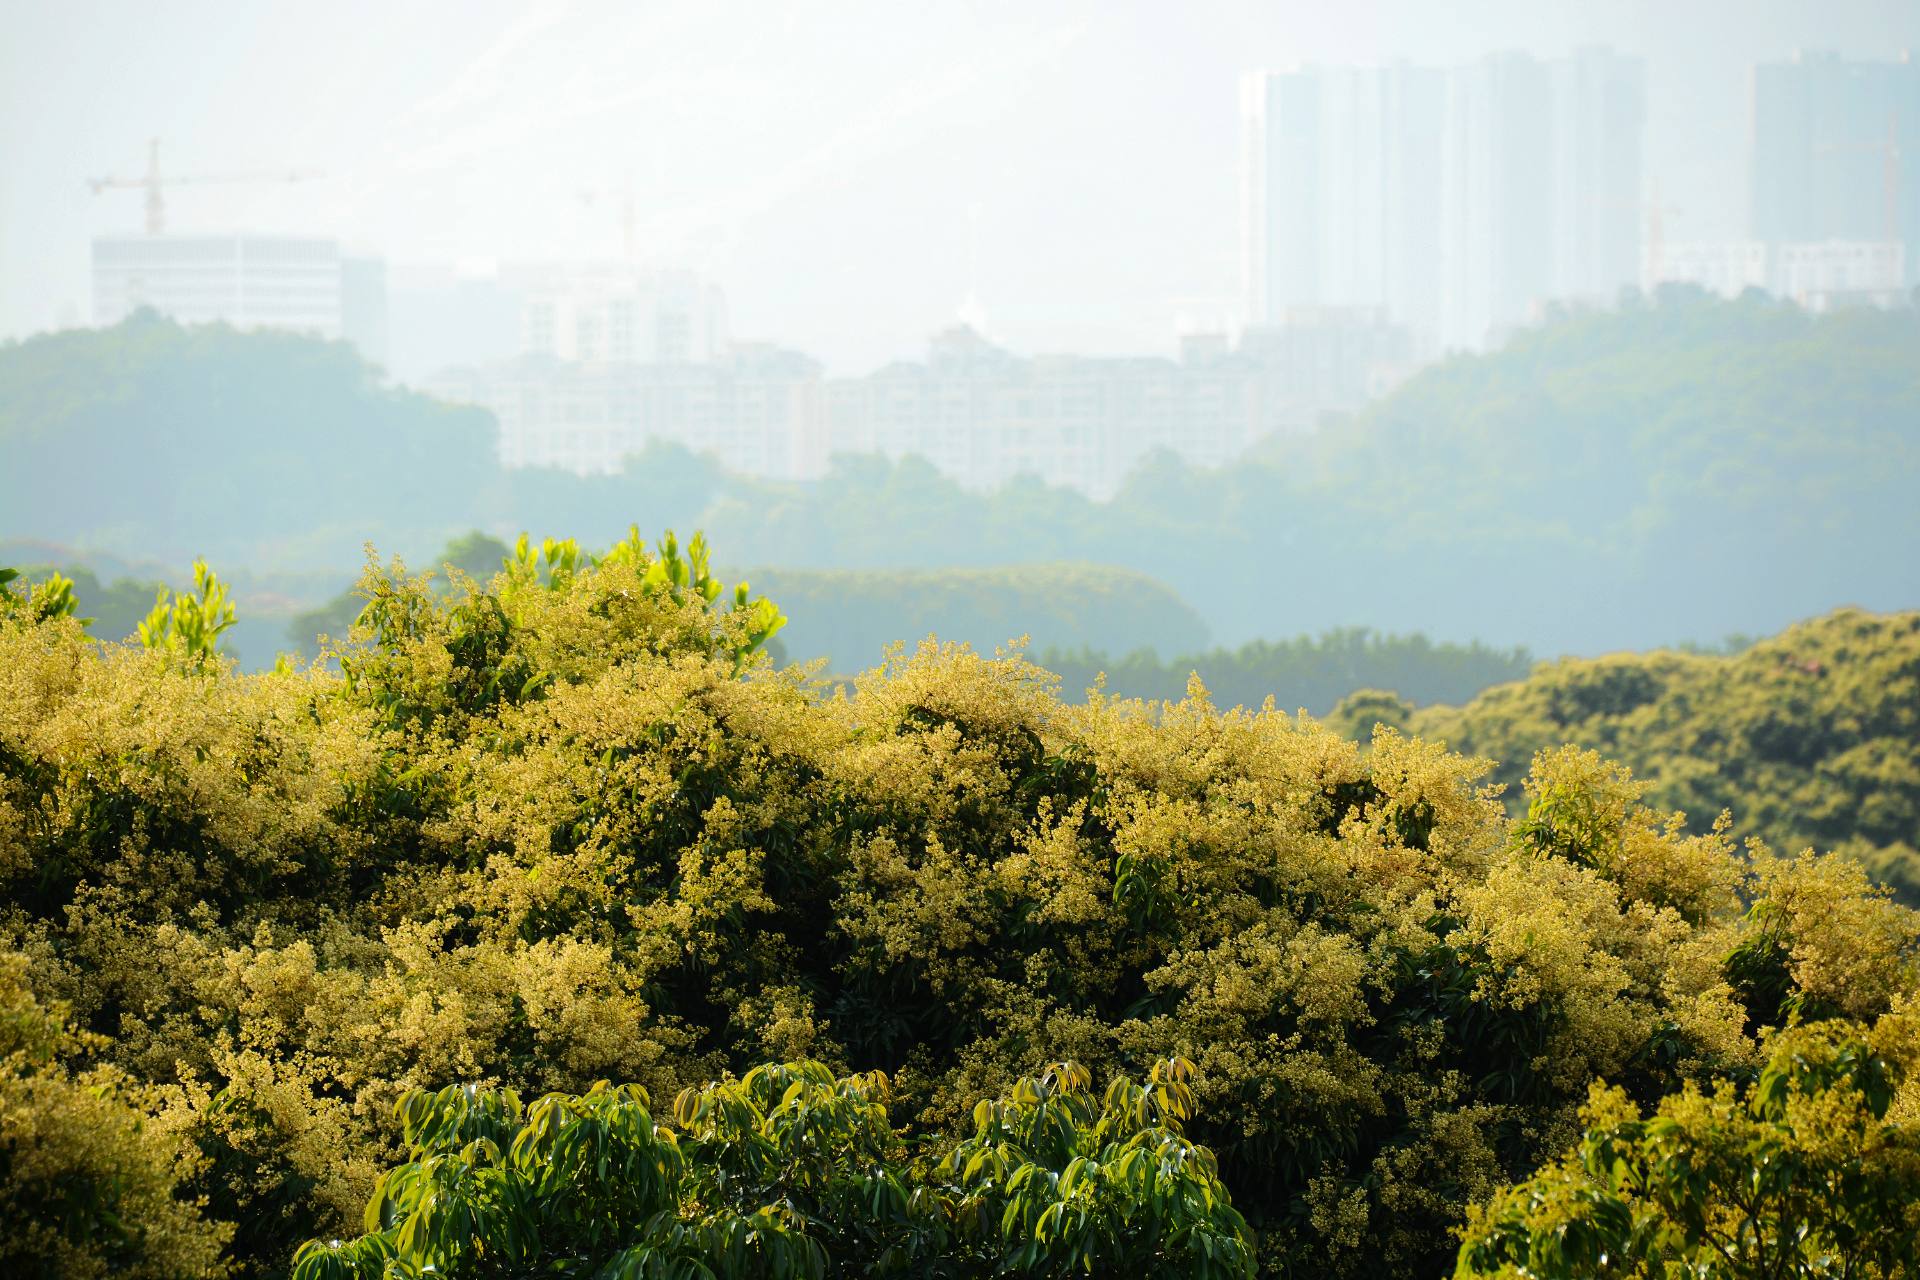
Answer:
(789, 1172)
(92, 1162)
(1312, 672)
(1804, 1173)
(1811, 737)
(570, 826)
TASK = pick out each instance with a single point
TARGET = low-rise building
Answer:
(756, 409)
(301, 284)
(1834, 273)
(976, 412)
(1724, 267)
(1316, 361)
(1818, 275)
(985, 416)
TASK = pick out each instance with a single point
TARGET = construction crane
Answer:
(155, 185)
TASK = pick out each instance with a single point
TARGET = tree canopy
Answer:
(1810, 737)
(569, 826)
(1315, 673)
(1678, 468)
(1801, 1174)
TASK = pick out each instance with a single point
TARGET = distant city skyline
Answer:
(1837, 151)
(818, 165)
(1455, 199)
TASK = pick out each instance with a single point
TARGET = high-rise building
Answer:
(1453, 201)
(1599, 125)
(1836, 153)
(276, 282)
(1497, 206)
(1340, 183)
(1542, 197)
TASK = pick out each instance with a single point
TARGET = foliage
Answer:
(478, 557)
(474, 554)
(1053, 1182)
(1804, 1173)
(850, 616)
(116, 608)
(1310, 672)
(1683, 466)
(789, 1172)
(1811, 737)
(569, 825)
(51, 597)
(90, 1175)
(1355, 715)
(189, 625)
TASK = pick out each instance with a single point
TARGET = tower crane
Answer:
(154, 184)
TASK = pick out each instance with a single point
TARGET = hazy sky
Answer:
(819, 160)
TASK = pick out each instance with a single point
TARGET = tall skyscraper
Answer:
(1340, 183)
(1543, 187)
(1599, 124)
(1452, 201)
(1497, 206)
(1836, 152)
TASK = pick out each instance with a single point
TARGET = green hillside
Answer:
(1681, 469)
(1811, 737)
(1307, 672)
(848, 616)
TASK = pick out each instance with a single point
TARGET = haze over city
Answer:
(827, 166)
(670, 639)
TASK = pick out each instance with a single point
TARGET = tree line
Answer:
(1683, 467)
(389, 964)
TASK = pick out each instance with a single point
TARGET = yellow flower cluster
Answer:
(551, 830)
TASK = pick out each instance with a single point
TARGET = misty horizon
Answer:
(1232, 641)
(1071, 174)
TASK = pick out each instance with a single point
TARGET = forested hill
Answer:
(1312, 673)
(1614, 480)
(1621, 480)
(1677, 470)
(162, 442)
(849, 617)
(1810, 737)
